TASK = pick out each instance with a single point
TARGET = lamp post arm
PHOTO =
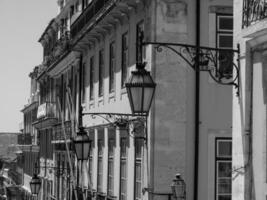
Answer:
(218, 62)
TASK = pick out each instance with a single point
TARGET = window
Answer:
(123, 170)
(91, 78)
(138, 168)
(111, 66)
(139, 28)
(111, 144)
(91, 164)
(124, 59)
(223, 169)
(224, 35)
(101, 73)
(83, 81)
(100, 166)
(71, 10)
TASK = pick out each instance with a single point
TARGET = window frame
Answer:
(100, 144)
(91, 78)
(123, 159)
(101, 69)
(138, 160)
(220, 159)
(112, 66)
(226, 70)
(124, 57)
(91, 166)
(110, 174)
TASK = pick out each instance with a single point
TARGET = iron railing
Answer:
(60, 48)
(87, 15)
(253, 11)
(58, 131)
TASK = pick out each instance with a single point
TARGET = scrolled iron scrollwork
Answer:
(135, 123)
(118, 119)
(253, 10)
(219, 63)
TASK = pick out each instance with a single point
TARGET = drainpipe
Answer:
(80, 109)
(80, 120)
(197, 88)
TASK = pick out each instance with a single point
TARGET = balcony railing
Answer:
(87, 15)
(61, 46)
(253, 11)
(58, 132)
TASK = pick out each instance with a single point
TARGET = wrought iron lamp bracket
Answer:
(219, 63)
(123, 121)
(59, 171)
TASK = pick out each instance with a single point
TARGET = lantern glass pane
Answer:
(148, 95)
(32, 188)
(137, 98)
(86, 149)
(35, 185)
(38, 186)
(78, 150)
(179, 190)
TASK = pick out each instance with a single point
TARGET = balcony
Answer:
(61, 47)
(90, 14)
(46, 115)
(24, 139)
(58, 135)
(253, 11)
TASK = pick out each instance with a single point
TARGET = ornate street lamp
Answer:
(35, 183)
(140, 89)
(178, 188)
(82, 144)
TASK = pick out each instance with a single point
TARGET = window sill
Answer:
(112, 96)
(83, 105)
(91, 104)
(100, 100)
(123, 90)
(110, 197)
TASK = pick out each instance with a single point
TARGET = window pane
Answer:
(123, 170)
(224, 169)
(124, 61)
(91, 78)
(224, 186)
(225, 23)
(123, 147)
(225, 41)
(224, 197)
(101, 72)
(224, 148)
(138, 148)
(111, 66)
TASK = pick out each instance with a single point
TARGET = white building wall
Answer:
(249, 111)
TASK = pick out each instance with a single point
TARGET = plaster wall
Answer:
(174, 114)
(249, 111)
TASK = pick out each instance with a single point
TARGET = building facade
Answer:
(89, 53)
(249, 110)
(28, 141)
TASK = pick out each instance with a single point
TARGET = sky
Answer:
(22, 23)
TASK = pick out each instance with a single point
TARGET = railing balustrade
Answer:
(86, 16)
(253, 11)
(58, 131)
